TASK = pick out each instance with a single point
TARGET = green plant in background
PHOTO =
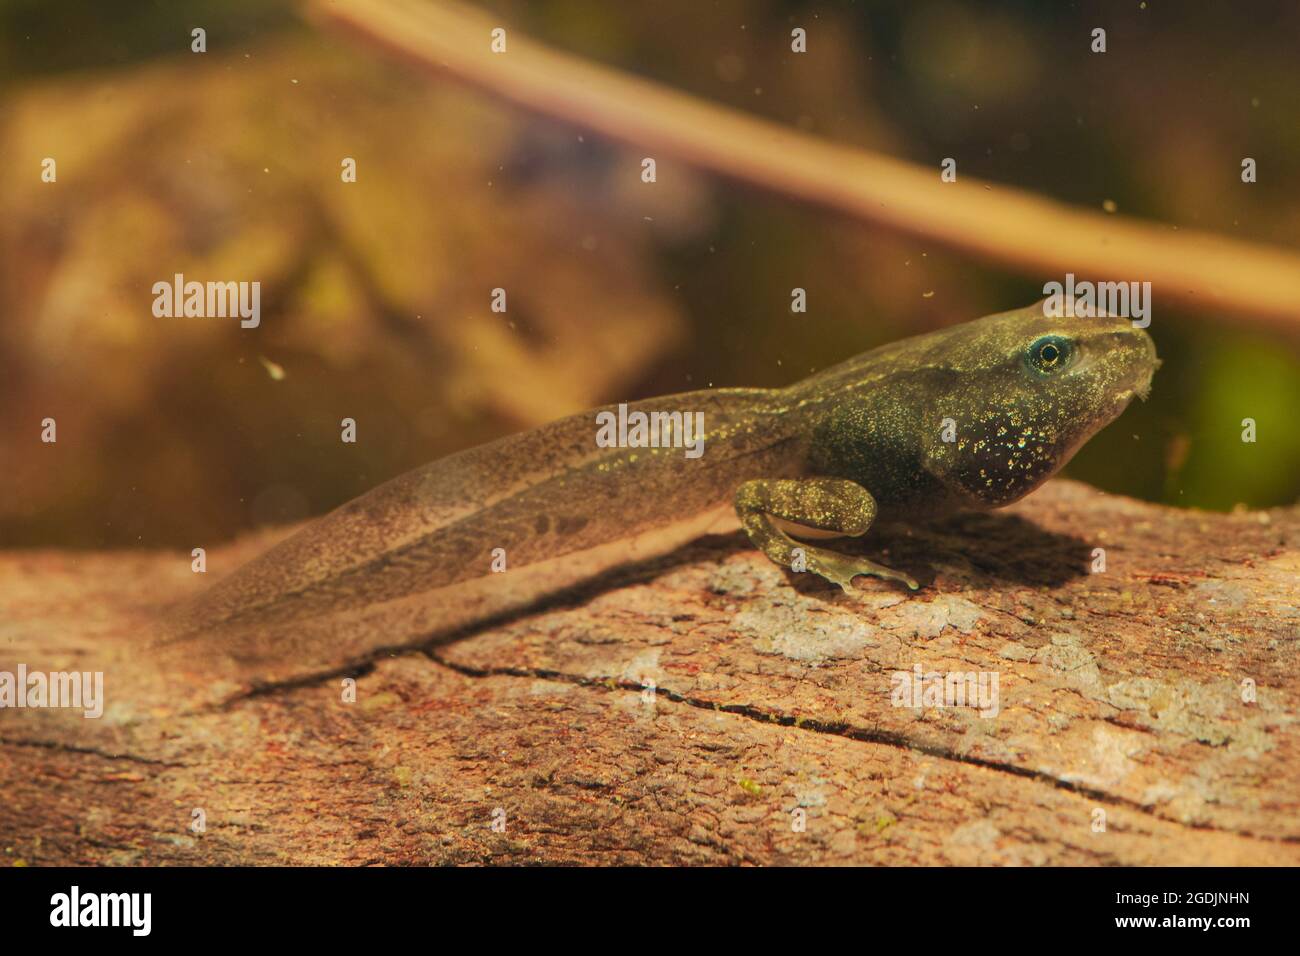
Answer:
(1240, 377)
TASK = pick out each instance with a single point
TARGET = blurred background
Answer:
(376, 295)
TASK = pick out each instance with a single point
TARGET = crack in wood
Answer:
(849, 732)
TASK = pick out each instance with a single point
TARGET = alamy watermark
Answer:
(651, 430)
(918, 689)
(1128, 300)
(130, 910)
(82, 690)
(209, 300)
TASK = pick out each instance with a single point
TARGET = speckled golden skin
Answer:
(831, 452)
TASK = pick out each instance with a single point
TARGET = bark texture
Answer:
(1126, 730)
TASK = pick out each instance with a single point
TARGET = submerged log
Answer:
(707, 707)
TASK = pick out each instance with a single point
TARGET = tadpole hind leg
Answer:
(828, 504)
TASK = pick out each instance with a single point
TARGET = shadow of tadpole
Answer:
(981, 547)
(984, 548)
(1004, 548)
(714, 547)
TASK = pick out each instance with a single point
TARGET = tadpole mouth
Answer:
(1144, 369)
(1142, 388)
(1139, 387)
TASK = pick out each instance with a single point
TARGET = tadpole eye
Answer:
(1051, 353)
